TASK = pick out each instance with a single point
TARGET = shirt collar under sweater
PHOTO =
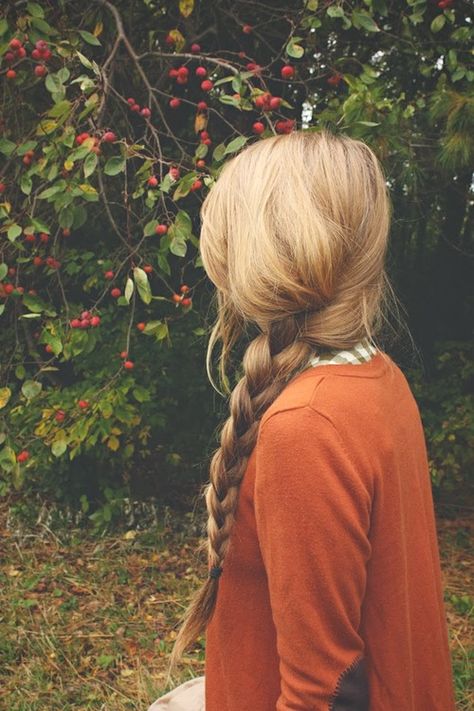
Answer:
(360, 353)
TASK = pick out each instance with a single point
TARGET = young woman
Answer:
(324, 590)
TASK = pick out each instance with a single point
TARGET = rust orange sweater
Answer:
(331, 595)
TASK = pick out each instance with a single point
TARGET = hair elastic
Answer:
(215, 571)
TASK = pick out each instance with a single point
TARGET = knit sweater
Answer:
(331, 595)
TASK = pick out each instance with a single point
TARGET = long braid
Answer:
(269, 361)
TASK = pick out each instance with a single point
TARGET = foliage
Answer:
(117, 118)
(446, 401)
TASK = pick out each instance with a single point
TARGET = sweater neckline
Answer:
(373, 368)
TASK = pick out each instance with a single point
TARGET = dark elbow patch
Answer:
(352, 688)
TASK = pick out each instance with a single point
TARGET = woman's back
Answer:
(331, 596)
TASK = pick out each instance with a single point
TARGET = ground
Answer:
(86, 621)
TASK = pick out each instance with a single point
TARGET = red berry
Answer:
(44, 238)
(200, 163)
(8, 288)
(173, 73)
(95, 321)
(183, 71)
(275, 102)
(175, 103)
(124, 354)
(40, 70)
(128, 364)
(197, 185)
(187, 302)
(146, 113)
(287, 71)
(23, 456)
(109, 137)
(3, 187)
(15, 44)
(153, 181)
(184, 289)
(195, 48)
(11, 74)
(60, 415)
(247, 29)
(206, 85)
(83, 404)
(48, 348)
(135, 107)
(201, 71)
(174, 172)
(161, 229)
(131, 101)
(85, 314)
(141, 326)
(258, 127)
(169, 39)
(36, 54)
(201, 106)
(75, 323)
(115, 293)
(66, 232)
(109, 275)
(85, 323)
(37, 261)
(177, 298)
(148, 268)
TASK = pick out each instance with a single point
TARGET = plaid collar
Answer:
(360, 353)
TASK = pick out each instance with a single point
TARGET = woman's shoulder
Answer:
(348, 395)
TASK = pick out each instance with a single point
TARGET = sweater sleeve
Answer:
(312, 512)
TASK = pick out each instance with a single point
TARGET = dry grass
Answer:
(87, 622)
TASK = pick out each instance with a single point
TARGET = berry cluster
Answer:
(17, 51)
(85, 320)
(137, 109)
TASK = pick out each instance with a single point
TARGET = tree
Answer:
(118, 117)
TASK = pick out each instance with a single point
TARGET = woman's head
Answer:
(298, 224)
(294, 237)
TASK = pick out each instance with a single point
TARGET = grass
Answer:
(86, 621)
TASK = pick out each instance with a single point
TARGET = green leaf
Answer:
(89, 38)
(143, 285)
(66, 217)
(26, 184)
(34, 9)
(34, 303)
(60, 110)
(438, 23)
(149, 228)
(293, 49)
(362, 19)
(54, 84)
(3, 270)
(7, 459)
(14, 231)
(43, 26)
(114, 165)
(3, 26)
(335, 11)
(90, 164)
(6, 147)
(163, 264)
(58, 447)
(236, 145)
(31, 388)
(128, 290)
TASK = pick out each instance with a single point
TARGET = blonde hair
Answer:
(294, 237)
